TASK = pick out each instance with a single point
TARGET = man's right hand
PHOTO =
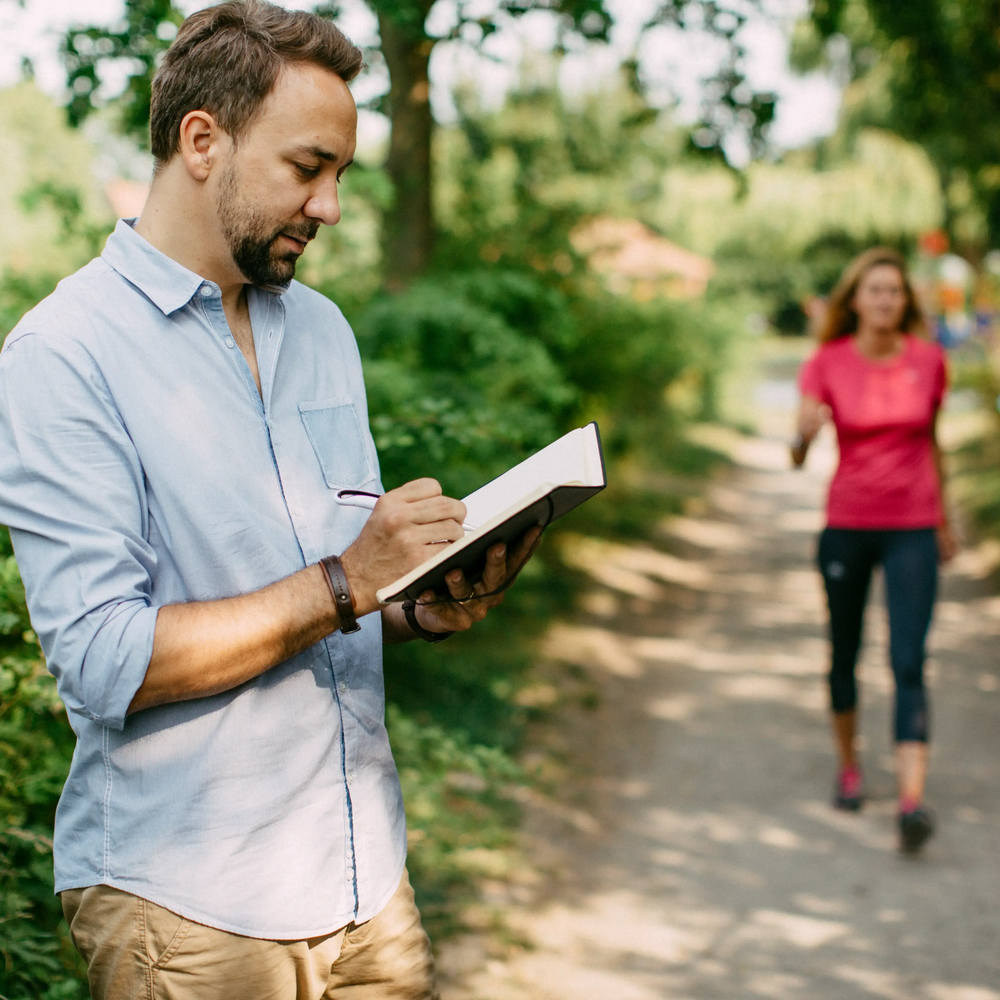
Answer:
(407, 526)
(205, 647)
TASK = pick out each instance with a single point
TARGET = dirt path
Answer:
(689, 850)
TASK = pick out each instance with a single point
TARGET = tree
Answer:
(408, 232)
(408, 229)
(928, 70)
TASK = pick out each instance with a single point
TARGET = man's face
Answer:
(280, 183)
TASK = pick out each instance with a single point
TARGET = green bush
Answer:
(36, 745)
(457, 387)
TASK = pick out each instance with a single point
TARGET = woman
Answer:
(882, 386)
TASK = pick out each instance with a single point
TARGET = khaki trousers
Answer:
(136, 950)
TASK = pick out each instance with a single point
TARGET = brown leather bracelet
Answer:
(340, 588)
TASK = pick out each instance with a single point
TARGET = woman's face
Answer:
(880, 301)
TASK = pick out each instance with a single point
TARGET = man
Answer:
(175, 422)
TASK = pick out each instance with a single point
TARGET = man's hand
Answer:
(442, 617)
(407, 526)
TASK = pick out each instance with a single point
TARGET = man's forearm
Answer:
(207, 647)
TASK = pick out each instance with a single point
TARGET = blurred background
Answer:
(561, 210)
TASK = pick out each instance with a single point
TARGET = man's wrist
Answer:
(340, 590)
(362, 590)
(410, 613)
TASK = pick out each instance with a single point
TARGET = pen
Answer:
(367, 501)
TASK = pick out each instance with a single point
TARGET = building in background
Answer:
(636, 261)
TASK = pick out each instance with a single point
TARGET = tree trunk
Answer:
(408, 225)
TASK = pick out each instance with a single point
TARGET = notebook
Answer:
(538, 491)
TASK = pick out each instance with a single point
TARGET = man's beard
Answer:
(251, 236)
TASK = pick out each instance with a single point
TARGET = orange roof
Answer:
(630, 253)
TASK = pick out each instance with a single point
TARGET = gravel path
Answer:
(688, 849)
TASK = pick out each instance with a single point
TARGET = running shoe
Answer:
(916, 827)
(847, 792)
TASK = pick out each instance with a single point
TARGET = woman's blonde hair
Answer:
(841, 319)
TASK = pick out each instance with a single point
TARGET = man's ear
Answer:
(200, 138)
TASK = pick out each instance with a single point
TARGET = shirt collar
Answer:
(166, 283)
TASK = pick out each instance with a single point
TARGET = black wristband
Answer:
(410, 610)
(340, 588)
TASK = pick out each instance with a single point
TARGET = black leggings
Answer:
(909, 560)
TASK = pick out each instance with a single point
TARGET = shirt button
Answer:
(206, 290)
(230, 342)
(342, 687)
(350, 775)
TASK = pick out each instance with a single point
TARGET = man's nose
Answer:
(324, 204)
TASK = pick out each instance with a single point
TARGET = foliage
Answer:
(19, 292)
(514, 183)
(141, 38)
(975, 479)
(35, 748)
(458, 813)
(927, 69)
(588, 18)
(21, 289)
(458, 381)
(731, 107)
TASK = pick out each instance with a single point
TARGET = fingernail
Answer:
(503, 552)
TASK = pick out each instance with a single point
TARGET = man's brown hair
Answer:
(226, 59)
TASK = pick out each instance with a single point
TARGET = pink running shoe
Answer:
(847, 792)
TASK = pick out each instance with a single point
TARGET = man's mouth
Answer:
(297, 241)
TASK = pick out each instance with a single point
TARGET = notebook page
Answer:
(563, 462)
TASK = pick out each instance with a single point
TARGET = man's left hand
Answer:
(451, 617)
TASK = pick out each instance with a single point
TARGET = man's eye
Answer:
(307, 171)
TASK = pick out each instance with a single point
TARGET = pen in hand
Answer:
(367, 501)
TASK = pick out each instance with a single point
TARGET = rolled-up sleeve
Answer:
(72, 494)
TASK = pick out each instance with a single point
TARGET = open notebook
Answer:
(542, 488)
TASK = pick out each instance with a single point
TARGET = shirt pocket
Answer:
(336, 436)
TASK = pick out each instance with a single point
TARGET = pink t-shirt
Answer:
(884, 414)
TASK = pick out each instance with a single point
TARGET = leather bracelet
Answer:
(340, 588)
(410, 611)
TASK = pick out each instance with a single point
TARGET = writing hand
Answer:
(406, 527)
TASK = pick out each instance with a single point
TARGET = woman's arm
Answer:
(812, 416)
(947, 543)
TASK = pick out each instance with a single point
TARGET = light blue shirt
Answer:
(139, 467)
